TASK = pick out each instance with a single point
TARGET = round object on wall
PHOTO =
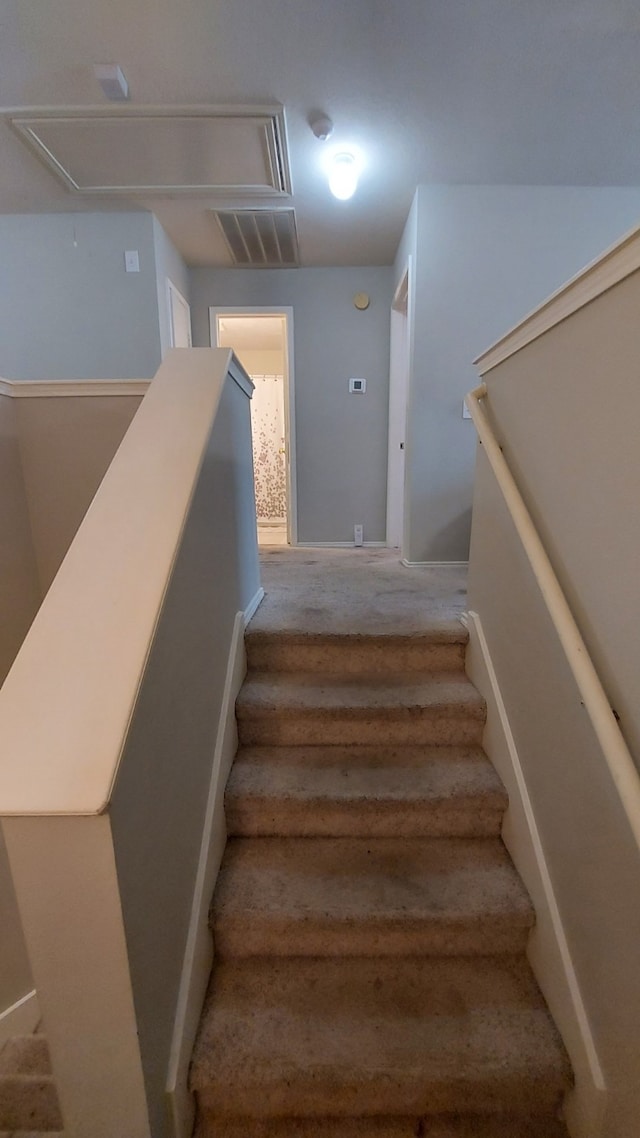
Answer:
(362, 300)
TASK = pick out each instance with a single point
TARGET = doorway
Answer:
(262, 339)
(399, 370)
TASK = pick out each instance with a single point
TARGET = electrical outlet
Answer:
(357, 535)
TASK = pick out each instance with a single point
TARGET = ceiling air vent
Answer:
(261, 238)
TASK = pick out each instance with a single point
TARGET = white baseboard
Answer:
(21, 1018)
(341, 545)
(434, 564)
(548, 950)
(253, 605)
(198, 957)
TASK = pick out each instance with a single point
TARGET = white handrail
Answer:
(617, 755)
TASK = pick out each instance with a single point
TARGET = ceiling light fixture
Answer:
(343, 175)
(111, 78)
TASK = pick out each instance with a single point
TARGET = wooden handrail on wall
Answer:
(617, 755)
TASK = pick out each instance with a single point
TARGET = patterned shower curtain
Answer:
(269, 458)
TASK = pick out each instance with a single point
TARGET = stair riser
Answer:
(407, 1127)
(280, 655)
(28, 1103)
(272, 730)
(260, 818)
(384, 1095)
(238, 938)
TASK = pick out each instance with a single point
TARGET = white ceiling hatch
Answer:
(221, 151)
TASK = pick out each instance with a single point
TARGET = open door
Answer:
(262, 340)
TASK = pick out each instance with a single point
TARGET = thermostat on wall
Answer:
(357, 386)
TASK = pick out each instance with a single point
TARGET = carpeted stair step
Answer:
(439, 648)
(28, 1097)
(443, 1126)
(287, 1038)
(308, 709)
(364, 792)
(369, 897)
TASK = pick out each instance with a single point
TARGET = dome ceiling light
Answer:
(342, 165)
(343, 175)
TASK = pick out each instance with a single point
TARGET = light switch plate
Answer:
(132, 261)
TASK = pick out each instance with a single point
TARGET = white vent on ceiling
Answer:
(220, 151)
(260, 238)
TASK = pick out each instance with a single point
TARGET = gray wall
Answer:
(66, 446)
(20, 594)
(169, 264)
(68, 309)
(341, 439)
(485, 256)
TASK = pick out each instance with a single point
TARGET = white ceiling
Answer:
(253, 333)
(454, 91)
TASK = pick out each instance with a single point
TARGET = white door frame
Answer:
(399, 372)
(175, 296)
(289, 395)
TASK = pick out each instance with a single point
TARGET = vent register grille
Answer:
(260, 238)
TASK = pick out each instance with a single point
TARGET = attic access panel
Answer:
(223, 151)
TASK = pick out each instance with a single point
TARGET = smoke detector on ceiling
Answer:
(322, 126)
(111, 78)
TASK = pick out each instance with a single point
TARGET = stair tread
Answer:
(364, 774)
(379, 880)
(265, 692)
(288, 1037)
(25, 1055)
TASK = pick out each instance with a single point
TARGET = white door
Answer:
(398, 394)
(179, 318)
(262, 339)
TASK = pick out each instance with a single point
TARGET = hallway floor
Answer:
(368, 591)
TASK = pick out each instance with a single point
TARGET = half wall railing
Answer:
(614, 748)
(116, 734)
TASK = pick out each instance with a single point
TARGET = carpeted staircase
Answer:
(370, 929)
(28, 1098)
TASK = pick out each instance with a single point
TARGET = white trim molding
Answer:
(434, 564)
(21, 1018)
(64, 388)
(548, 950)
(199, 951)
(608, 270)
(253, 606)
(341, 545)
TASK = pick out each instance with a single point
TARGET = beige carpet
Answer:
(355, 591)
(370, 931)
